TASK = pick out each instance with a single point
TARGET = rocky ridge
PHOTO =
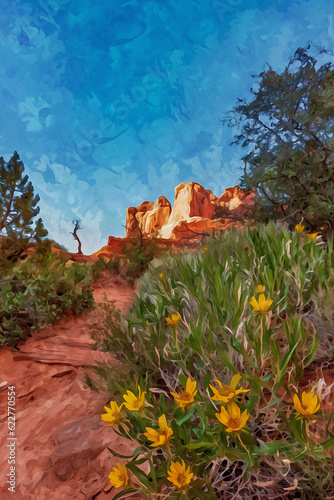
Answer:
(191, 217)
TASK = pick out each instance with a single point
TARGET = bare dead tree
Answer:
(75, 234)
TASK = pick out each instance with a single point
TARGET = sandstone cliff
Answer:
(191, 215)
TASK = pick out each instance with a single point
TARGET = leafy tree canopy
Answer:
(288, 132)
(18, 204)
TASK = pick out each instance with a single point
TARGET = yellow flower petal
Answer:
(119, 475)
(231, 417)
(186, 396)
(308, 405)
(161, 436)
(133, 402)
(235, 380)
(113, 413)
(179, 474)
(254, 303)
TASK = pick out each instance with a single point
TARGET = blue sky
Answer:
(110, 103)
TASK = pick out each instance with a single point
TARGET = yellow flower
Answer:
(161, 436)
(173, 321)
(205, 249)
(179, 474)
(232, 418)
(113, 413)
(262, 305)
(299, 228)
(133, 402)
(260, 288)
(312, 236)
(161, 276)
(119, 475)
(186, 396)
(308, 405)
(227, 392)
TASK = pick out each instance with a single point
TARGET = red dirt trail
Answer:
(60, 446)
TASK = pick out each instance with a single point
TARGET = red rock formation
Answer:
(153, 220)
(115, 247)
(191, 215)
(134, 216)
(190, 218)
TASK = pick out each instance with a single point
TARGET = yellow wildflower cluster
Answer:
(132, 403)
(300, 229)
(230, 416)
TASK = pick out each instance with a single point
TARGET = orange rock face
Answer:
(191, 215)
(191, 218)
(134, 218)
(115, 247)
(153, 220)
(192, 200)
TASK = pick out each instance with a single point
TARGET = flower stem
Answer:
(175, 338)
(261, 342)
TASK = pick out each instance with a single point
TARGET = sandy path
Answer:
(60, 446)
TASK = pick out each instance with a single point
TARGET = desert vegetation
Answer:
(37, 287)
(240, 331)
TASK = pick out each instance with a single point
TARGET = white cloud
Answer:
(100, 206)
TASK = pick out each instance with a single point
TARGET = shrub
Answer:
(37, 291)
(211, 290)
(247, 303)
(222, 452)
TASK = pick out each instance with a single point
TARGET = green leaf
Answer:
(124, 456)
(124, 493)
(185, 417)
(196, 446)
(143, 478)
(328, 443)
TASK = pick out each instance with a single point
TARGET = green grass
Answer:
(219, 334)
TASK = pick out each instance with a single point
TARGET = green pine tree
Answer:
(18, 203)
